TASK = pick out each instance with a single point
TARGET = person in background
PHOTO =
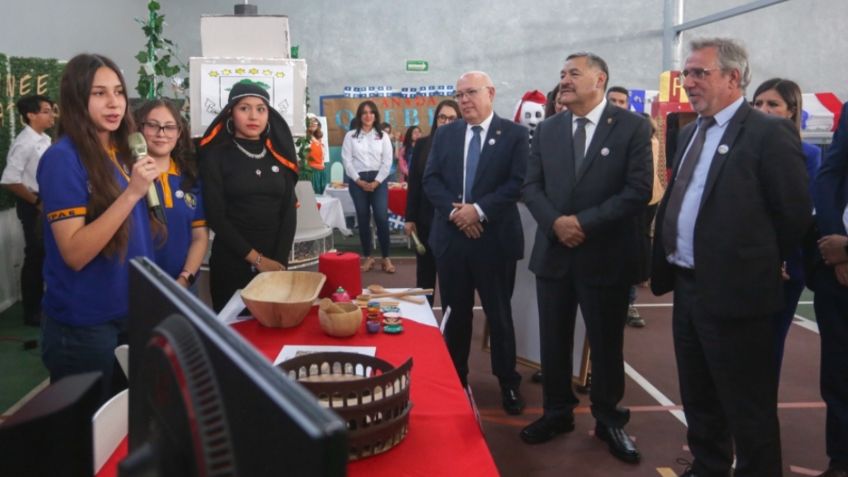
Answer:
(737, 204)
(96, 220)
(419, 210)
(830, 283)
(394, 138)
(19, 178)
(169, 144)
(473, 179)
(782, 98)
(620, 97)
(404, 156)
(248, 167)
(316, 152)
(551, 101)
(367, 160)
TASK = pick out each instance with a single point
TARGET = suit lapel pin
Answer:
(275, 169)
(492, 142)
(609, 121)
(723, 149)
(605, 152)
(498, 132)
(258, 172)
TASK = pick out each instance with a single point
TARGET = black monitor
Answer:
(203, 401)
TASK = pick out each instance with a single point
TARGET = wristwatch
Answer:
(188, 276)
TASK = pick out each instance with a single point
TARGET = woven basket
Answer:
(368, 393)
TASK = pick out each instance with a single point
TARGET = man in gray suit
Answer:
(589, 177)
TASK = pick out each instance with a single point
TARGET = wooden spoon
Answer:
(396, 294)
(379, 289)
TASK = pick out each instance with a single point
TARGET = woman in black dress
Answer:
(249, 171)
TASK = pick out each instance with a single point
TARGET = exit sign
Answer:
(417, 65)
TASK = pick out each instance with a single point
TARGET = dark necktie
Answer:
(579, 144)
(681, 183)
(471, 162)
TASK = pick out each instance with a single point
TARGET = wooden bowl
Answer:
(339, 319)
(282, 299)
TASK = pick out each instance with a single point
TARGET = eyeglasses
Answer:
(698, 73)
(169, 130)
(446, 119)
(470, 93)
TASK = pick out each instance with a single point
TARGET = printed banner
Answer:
(218, 79)
(398, 111)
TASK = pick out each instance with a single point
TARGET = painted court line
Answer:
(666, 472)
(654, 393)
(803, 470)
(806, 323)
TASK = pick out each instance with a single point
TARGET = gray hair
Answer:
(593, 61)
(731, 56)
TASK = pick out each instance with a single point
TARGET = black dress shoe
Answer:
(620, 444)
(546, 428)
(512, 401)
(536, 377)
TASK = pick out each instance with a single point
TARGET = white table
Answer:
(332, 214)
(344, 196)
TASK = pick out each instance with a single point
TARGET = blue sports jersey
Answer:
(184, 212)
(99, 292)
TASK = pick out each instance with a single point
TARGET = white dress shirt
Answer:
(594, 118)
(367, 152)
(684, 255)
(23, 157)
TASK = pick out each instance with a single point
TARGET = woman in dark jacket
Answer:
(419, 210)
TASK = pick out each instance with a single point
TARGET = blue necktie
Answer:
(471, 162)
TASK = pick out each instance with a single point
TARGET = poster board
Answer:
(212, 78)
(398, 111)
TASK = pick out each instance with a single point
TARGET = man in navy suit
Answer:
(736, 206)
(830, 283)
(473, 179)
(589, 178)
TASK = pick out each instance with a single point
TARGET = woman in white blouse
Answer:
(367, 160)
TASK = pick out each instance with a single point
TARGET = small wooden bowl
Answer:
(339, 319)
(282, 299)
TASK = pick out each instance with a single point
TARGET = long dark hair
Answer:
(428, 141)
(790, 92)
(183, 153)
(357, 121)
(75, 122)
(407, 138)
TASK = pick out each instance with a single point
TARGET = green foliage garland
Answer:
(156, 56)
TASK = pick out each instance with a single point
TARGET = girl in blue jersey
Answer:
(169, 144)
(96, 220)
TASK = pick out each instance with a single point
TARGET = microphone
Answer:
(138, 146)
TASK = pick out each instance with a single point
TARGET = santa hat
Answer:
(534, 96)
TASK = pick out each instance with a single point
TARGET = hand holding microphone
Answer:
(138, 146)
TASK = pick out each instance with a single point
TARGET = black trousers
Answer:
(728, 384)
(425, 266)
(604, 310)
(32, 280)
(831, 305)
(461, 271)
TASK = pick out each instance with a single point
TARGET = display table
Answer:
(444, 438)
(343, 195)
(332, 214)
(397, 200)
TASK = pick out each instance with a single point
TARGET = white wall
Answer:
(521, 44)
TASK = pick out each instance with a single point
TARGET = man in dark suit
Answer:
(830, 282)
(473, 179)
(589, 178)
(737, 204)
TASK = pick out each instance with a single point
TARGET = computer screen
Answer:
(203, 401)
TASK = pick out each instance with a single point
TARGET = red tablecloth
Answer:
(444, 438)
(397, 201)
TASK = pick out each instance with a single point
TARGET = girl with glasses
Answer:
(180, 252)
